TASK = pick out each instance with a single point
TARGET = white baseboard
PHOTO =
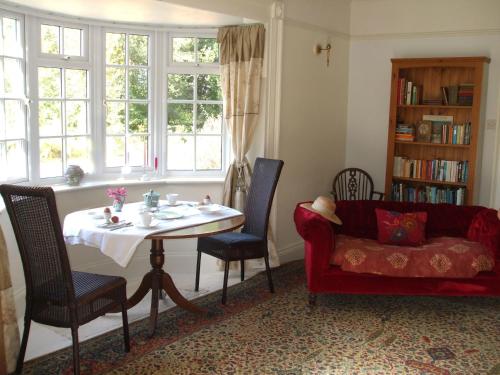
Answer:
(291, 252)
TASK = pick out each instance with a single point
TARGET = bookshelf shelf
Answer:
(432, 144)
(429, 182)
(434, 106)
(459, 82)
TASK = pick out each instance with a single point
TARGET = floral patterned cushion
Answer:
(450, 257)
(395, 228)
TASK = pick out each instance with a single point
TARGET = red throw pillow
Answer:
(395, 228)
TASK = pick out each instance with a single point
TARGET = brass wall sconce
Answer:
(318, 49)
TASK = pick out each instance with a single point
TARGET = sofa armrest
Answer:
(485, 229)
(319, 238)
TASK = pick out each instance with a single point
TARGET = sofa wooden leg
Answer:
(312, 299)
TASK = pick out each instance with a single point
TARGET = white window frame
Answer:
(52, 22)
(195, 69)
(151, 68)
(24, 67)
(47, 60)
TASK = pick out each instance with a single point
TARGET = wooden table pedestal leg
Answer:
(157, 280)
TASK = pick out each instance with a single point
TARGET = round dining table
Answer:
(119, 241)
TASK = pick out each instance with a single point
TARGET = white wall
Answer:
(385, 29)
(313, 110)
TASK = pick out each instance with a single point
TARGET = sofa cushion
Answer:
(485, 228)
(395, 228)
(449, 257)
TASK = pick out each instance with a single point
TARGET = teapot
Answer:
(151, 198)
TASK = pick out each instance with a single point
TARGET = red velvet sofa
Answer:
(359, 220)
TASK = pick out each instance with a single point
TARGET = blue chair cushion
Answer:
(229, 240)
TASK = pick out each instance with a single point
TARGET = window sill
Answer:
(61, 188)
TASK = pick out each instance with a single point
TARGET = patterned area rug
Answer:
(260, 333)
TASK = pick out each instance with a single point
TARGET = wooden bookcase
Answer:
(431, 75)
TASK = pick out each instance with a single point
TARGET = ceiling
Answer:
(135, 11)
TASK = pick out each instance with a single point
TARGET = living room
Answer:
(340, 97)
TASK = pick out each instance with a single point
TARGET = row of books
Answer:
(456, 134)
(408, 92)
(405, 132)
(427, 194)
(437, 170)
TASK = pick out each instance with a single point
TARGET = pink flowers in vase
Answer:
(118, 195)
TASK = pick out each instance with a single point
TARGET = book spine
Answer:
(409, 86)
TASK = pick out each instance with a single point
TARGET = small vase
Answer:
(73, 175)
(118, 204)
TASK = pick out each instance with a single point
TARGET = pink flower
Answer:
(117, 193)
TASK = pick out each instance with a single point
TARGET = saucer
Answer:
(153, 224)
(209, 209)
(174, 204)
(168, 215)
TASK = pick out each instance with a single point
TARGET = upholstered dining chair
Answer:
(354, 184)
(54, 294)
(251, 242)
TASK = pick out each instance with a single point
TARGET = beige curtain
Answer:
(241, 58)
(9, 334)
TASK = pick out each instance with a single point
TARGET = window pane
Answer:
(72, 42)
(76, 117)
(209, 87)
(115, 151)
(180, 118)
(49, 118)
(138, 118)
(137, 151)
(11, 39)
(115, 118)
(180, 155)
(50, 39)
(208, 152)
(180, 86)
(49, 83)
(14, 119)
(115, 83)
(2, 121)
(115, 48)
(209, 119)
(208, 50)
(78, 152)
(76, 84)
(16, 160)
(13, 81)
(183, 49)
(50, 157)
(138, 84)
(138, 49)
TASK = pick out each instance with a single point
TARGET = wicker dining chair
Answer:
(354, 184)
(251, 242)
(54, 294)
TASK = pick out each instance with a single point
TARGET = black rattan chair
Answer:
(354, 184)
(251, 242)
(54, 294)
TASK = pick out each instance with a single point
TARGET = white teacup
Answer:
(145, 219)
(172, 199)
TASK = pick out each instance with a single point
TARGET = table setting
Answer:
(118, 231)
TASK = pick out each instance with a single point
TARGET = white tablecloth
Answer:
(81, 227)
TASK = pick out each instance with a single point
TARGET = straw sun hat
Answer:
(325, 207)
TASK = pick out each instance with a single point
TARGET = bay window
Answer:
(110, 100)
